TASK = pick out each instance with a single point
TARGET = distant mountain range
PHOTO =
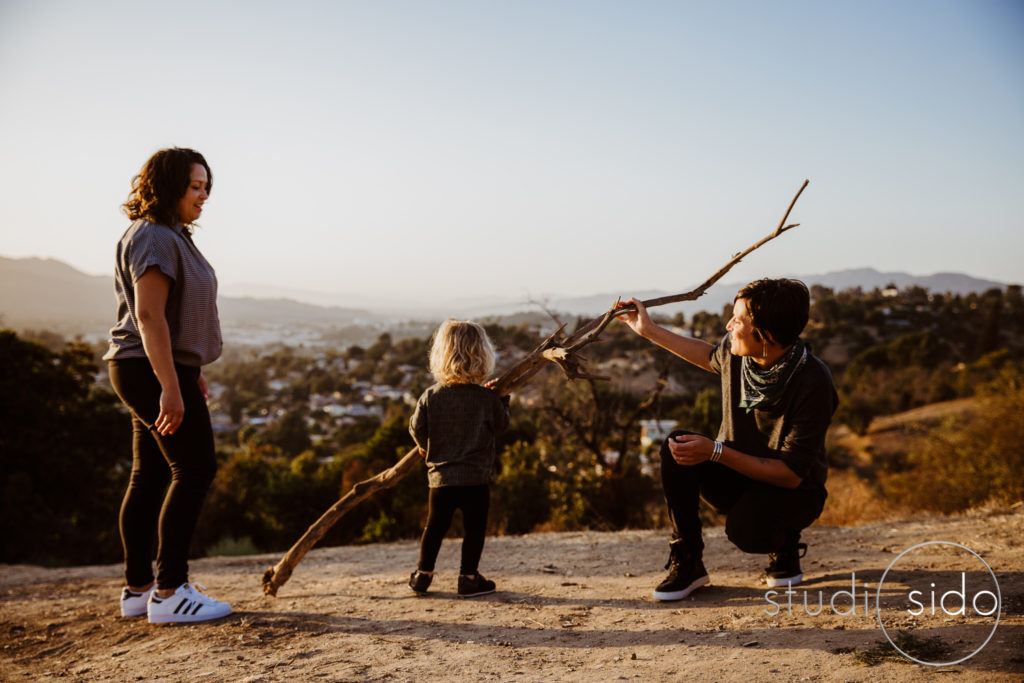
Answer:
(722, 294)
(50, 294)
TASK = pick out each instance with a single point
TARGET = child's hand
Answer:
(489, 384)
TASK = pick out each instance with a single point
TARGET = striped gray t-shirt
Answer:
(191, 303)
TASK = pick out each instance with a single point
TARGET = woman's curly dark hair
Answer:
(161, 184)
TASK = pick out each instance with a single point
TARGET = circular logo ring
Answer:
(878, 602)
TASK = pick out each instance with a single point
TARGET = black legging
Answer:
(170, 474)
(443, 501)
(760, 518)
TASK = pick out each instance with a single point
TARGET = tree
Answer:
(704, 325)
(707, 412)
(522, 495)
(825, 307)
(289, 433)
(988, 339)
(379, 348)
(597, 464)
(66, 446)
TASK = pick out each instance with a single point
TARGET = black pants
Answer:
(443, 502)
(170, 474)
(760, 518)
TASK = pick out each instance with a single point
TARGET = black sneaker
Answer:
(784, 566)
(478, 585)
(420, 582)
(686, 573)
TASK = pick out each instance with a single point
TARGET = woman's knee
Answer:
(665, 453)
(149, 480)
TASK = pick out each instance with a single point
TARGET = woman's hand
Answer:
(172, 412)
(638, 321)
(690, 449)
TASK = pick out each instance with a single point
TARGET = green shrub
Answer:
(520, 497)
(380, 529)
(232, 547)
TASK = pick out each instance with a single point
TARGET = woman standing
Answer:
(167, 328)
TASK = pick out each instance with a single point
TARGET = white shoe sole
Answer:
(187, 612)
(125, 612)
(671, 596)
(789, 581)
(188, 619)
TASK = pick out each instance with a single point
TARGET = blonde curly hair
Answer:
(461, 353)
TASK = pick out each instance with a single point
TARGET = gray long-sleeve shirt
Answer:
(456, 424)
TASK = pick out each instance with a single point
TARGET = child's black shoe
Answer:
(471, 587)
(420, 582)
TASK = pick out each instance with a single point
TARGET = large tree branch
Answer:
(561, 350)
(592, 330)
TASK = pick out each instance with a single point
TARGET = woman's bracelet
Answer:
(716, 454)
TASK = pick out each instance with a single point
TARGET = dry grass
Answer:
(852, 501)
(922, 649)
(873, 476)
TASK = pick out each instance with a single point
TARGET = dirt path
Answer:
(570, 606)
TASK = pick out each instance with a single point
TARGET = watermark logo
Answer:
(939, 600)
(958, 607)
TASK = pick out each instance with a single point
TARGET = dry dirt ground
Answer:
(570, 607)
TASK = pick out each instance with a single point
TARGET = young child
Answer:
(454, 426)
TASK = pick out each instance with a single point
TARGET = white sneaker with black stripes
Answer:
(187, 604)
(135, 604)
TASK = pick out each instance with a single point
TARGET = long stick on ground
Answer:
(556, 348)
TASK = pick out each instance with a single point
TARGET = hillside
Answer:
(890, 434)
(49, 294)
(570, 607)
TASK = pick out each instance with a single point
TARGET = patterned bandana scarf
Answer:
(762, 387)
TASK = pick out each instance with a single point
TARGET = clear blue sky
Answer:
(459, 149)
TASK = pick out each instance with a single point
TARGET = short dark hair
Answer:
(779, 308)
(162, 182)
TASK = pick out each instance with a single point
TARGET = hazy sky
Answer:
(462, 149)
